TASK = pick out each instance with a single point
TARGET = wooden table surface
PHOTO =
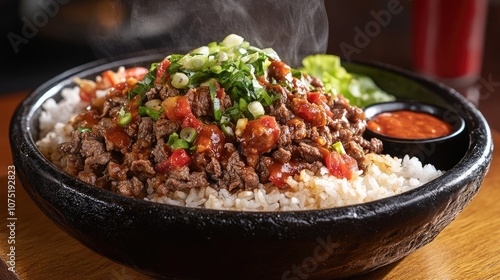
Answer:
(469, 248)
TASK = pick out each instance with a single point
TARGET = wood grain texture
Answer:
(469, 248)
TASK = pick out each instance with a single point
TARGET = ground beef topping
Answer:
(228, 116)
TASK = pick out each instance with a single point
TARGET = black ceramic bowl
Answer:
(187, 243)
(443, 152)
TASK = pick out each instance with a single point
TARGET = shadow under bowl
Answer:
(443, 152)
(190, 243)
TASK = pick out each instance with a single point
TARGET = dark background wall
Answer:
(63, 34)
(40, 39)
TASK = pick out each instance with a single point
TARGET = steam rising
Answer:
(293, 28)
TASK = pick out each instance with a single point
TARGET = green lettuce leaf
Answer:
(360, 90)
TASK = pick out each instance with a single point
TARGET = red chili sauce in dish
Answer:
(409, 125)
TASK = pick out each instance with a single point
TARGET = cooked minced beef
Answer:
(131, 157)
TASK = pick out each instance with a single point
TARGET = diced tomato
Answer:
(160, 71)
(179, 158)
(320, 100)
(176, 108)
(262, 80)
(310, 112)
(259, 136)
(210, 141)
(340, 165)
(110, 78)
(279, 71)
(191, 121)
(136, 72)
(221, 93)
(121, 86)
(279, 172)
(315, 97)
(87, 96)
(118, 137)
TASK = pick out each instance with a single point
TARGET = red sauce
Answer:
(279, 71)
(310, 112)
(409, 125)
(279, 172)
(87, 119)
(210, 141)
(260, 136)
(116, 135)
(133, 107)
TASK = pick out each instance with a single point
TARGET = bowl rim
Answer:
(480, 149)
(415, 106)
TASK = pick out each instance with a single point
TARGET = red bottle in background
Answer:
(448, 39)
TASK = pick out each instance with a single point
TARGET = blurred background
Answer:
(43, 38)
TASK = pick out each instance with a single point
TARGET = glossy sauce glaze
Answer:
(408, 124)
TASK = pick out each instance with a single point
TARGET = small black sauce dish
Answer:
(443, 152)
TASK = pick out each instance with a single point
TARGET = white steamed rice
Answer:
(385, 175)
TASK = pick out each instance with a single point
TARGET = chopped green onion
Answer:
(242, 105)
(216, 69)
(82, 129)
(242, 51)
(234, 63)
(124, 118)
(197, 62)
(204, 50)
(154, 104)
(256, 109)
(155, 115)
(180, 80)
(232, 41)
(271, 53)
(180, 144)
(266, 99)
(227, 130)
(217, 110)
(245, 45)
(198, 77)
(233, 113)
(177, 143)
(296, 73)
(213, 90)
(171, 138)
(215, 100)
(145, 84)
(189, 134)
(225, 120)
(339, 148)
(222, 57)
